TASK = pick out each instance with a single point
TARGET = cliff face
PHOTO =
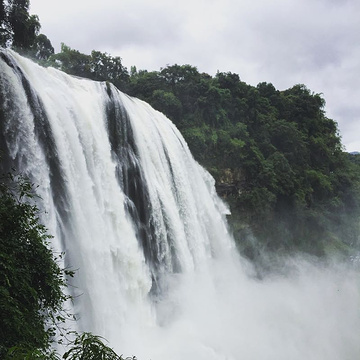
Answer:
(229, 182)
(287, 226)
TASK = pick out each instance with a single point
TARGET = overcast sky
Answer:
(285, 42)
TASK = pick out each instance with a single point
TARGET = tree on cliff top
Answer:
(20, 30)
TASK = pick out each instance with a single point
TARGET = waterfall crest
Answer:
(158, 274)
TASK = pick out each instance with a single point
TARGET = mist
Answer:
(306, 309)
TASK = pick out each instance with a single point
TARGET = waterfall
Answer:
(157, 272)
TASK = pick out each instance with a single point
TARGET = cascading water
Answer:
(158, 274)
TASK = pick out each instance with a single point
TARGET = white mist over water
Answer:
(188, 295)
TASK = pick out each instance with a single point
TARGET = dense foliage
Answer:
(90, 347)
(31, 281)
(20, 30)
(97, 66)
(275, 155)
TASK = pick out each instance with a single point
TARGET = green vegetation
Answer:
(90, 347)
(20, 30)
(275, 156)
(97, 66)
(31, 281)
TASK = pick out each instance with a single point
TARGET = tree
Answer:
(143, 84)
(31, 281)
(105, 67)
(3, 30)
(23, 26)
(42, 48)
(91, 347)
(20, 30)
(97, 66)
(71, 61)
(167, 103)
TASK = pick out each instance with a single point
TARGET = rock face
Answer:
(230, 182)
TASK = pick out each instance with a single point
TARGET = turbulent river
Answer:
(157, 272)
